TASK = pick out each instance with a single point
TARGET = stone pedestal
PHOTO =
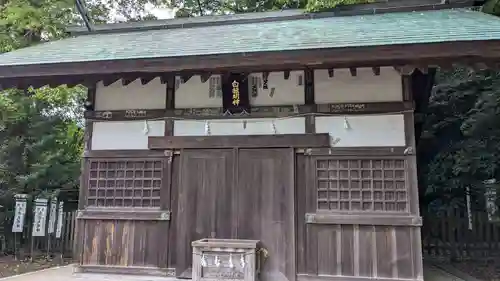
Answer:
(224, 259)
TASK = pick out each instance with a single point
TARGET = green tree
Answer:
(40, 141)
(191, 8)
(459, 148)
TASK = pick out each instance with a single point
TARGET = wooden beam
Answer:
(363, 219)
(252, 141)
(186, 77)
(204, 77)
(286, 74)
(145, 80)
(331, 72)
(110, 79)
(123, 214)
(405, 69)
(257, 111)
(309, 86)
(126, 270)
(145, 153)
(353, 71)
(128, 80)
(357, 151)
(170, 93)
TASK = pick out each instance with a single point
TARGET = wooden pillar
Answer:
(309, 99)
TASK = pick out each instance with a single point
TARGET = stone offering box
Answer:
(224, 259)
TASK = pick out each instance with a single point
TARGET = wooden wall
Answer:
(124, 216)
(132, 243)
(352, 250)
(355, 205)
(357, 214)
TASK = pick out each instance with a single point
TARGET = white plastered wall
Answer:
(254, 126)
(195, 94)
(379, 130)
(362, 131)
(364, 87)
(133, 96)
(127, 135)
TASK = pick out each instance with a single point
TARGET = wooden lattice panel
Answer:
(362, 185)
(124, 182)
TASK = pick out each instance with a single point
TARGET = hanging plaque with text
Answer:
(19, 213)
(60, 217)
(52, 216)
(235, 98)
(40, 217)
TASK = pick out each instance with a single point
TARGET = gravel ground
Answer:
(483, 270)
(10, 267)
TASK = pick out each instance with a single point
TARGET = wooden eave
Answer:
(429, 54)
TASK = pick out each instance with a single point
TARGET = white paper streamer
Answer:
(146, 127)
(203, 261)
(52, 216)
(273, 127)
(207, 128)
(242, 261)
(347, 126)
(20, 213)
(231, 265)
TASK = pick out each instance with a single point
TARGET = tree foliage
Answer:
(40, 140)
(190, 8)
(459, 148)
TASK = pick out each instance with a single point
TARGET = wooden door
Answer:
(205, 191)
(238, 193)
(265, 210)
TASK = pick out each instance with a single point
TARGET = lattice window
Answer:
(124, 182)
(362, 185)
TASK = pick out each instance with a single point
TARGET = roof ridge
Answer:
(270, 16)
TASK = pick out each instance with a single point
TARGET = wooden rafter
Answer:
(147, 77)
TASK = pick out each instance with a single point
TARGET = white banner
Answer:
(60, 218)
(52, 215)
(19, 213)
(40, 217)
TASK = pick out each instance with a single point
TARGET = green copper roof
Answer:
(329, 32)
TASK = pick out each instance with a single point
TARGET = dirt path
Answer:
(9, 266)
